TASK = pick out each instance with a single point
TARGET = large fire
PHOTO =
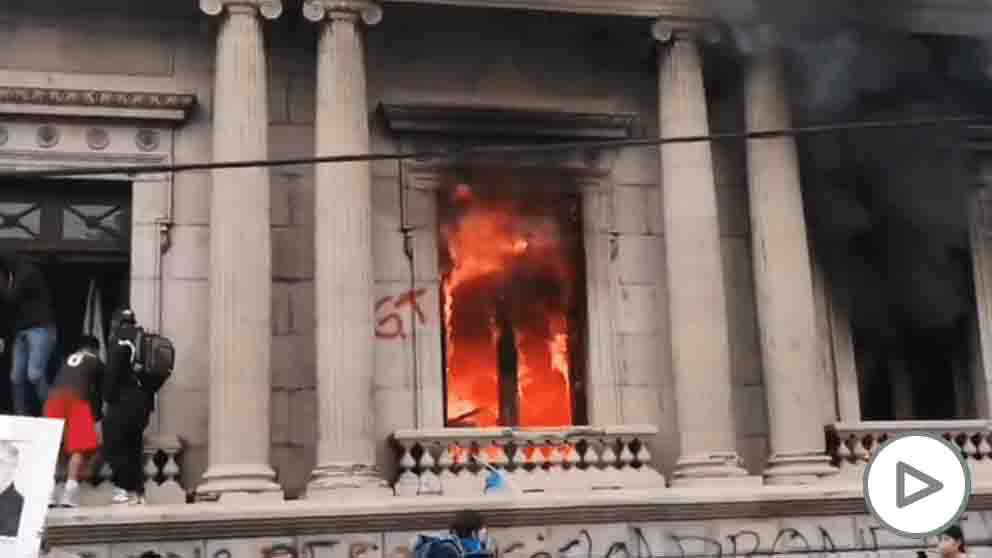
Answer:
(512, 272)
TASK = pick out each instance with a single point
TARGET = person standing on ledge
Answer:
(75, 398)
(129, 406)
(28, 302)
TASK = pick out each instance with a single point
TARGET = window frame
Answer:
(54, 198)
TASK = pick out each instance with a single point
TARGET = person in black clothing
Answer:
(28, 302)
(11, 500)
(129, 407)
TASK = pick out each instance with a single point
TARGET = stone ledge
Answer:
(301, 517)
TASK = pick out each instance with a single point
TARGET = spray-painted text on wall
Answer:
(389, 323)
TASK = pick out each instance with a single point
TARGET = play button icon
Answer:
(930, 485)
(917, 485)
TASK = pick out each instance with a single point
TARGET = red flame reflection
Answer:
(512, 270)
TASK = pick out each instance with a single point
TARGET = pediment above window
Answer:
(506, 122)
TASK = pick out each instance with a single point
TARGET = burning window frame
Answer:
(532, 193)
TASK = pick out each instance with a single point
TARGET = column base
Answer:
(798, 468)
(227, 483)
(344, 479)
(722, 467)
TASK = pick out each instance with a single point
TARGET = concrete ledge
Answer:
(301, 517)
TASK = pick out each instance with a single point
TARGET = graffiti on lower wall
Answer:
(829, 537)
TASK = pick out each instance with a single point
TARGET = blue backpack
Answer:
(450, 546)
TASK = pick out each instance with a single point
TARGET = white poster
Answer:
(29, 449)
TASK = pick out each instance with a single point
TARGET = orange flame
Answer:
(506, 256)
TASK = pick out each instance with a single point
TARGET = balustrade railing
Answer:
(456, 461)
(852, 444)
(163, 475)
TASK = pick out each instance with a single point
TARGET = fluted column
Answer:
(783, 283)
(697, 298)
(343, 275)
(240, 279)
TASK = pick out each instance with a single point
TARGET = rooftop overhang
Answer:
(632, 8)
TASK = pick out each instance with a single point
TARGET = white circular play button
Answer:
(917, 485)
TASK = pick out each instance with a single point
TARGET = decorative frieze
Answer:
(40, 101)
(25, 136)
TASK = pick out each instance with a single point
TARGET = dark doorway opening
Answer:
(79, 235)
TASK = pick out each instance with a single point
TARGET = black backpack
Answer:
(153, 360)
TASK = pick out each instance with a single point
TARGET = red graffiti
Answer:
(391, 325)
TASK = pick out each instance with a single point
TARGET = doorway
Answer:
(79, 234)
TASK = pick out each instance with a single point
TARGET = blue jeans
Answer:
(29, 366)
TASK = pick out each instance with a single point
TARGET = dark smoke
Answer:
(887, 210)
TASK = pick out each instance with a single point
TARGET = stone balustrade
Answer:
(456, 461)
(163, 474)
(852, 444)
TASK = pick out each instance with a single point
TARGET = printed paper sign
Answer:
(29, 449)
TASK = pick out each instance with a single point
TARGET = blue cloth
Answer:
(496, 482)
(472, 545)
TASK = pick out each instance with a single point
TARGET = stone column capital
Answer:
(269, 9)
(318, 10)
(668, 29)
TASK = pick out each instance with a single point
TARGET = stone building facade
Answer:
(305, 301)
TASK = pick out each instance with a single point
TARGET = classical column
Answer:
(980, 215)
(240, 259)
(697, 298)
(784, 285)
(343, 275)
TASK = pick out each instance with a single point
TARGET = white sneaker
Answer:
(70, 495)
(119, 496)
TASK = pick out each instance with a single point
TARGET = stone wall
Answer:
(828, 536)
(416, 55)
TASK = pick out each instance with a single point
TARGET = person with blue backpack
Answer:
(467, 538)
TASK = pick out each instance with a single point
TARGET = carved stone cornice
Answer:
(40, 101)
(270, 9)
(318, 10)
